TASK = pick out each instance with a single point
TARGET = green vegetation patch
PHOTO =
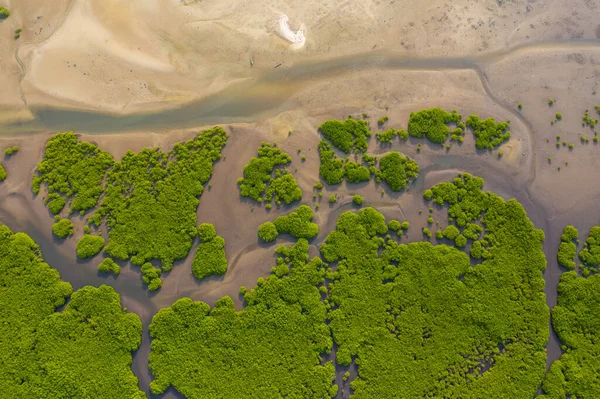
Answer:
(267, 232)
(63, 228)
(89, 246)
(55, 203)
(590, 254)
(152, 196)
(4, 13)
(83, 351)
(260, 172)
(356, 173)
(86, 349)
(298, 223)
(576, 320)
(388, 135)
(332, 167)
(567, 250)
(151, 276)
(3, 174)
(11, 150)
(419, 319)
(488, 133)
(432, 124)
(346, 135)
(109, 266)
(73, 169)
(269, 349)
(397, 170)
(358, 200)
(210, 255)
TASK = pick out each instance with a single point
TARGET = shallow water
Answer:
(266, 96)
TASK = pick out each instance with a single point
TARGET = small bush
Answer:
(4, 13)
(151, 276)
(397, 170)
(382, 120)
(63, 228)
(11, 150)
(394, 225)
(298, 223)
(2, 173)
(109, 266)
(405, 225)
(89, 246)
(267, 232)
(358, 200)
(332, 198)
(558, 116)
(432, 124)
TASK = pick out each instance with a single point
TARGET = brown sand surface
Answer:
(152, 72)
(126, 56)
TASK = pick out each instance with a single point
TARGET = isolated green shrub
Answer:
(3, 174)
(405, 225)
(55, 203)
(89, 246)
(109, 266)
(4, 13)
(269, 349)
(488, 133)
(11, 150)
(358, 200)
(331, 169)
(432, 124)
(63, 228)
(151, 276)
(397, 170)
(298, 224)
(210, 257)
(267, 232)
(394, 225)
(346, 135)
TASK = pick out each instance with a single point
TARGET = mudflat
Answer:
(151, 73)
